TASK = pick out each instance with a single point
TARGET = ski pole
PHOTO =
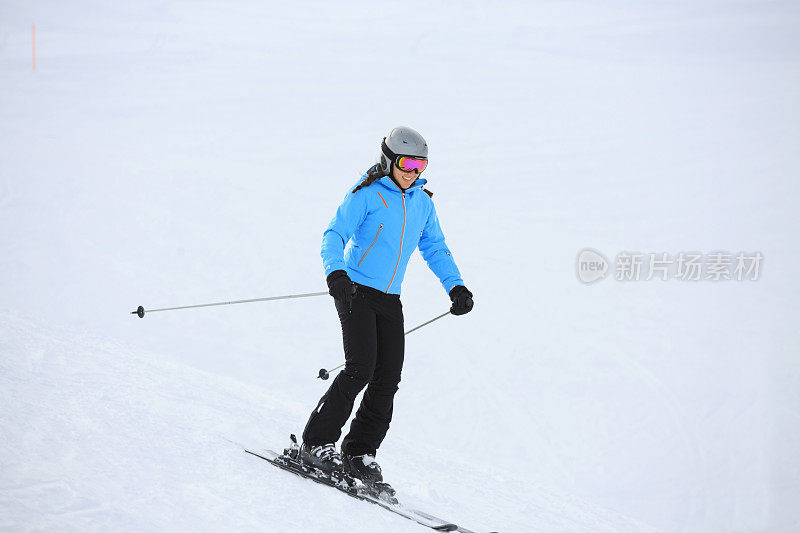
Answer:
(141, 310)
(325, 374)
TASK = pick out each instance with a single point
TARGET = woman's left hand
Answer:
(462, 300)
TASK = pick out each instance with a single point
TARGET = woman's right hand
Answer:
(340, 286)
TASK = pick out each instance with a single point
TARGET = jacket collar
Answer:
(389, 183)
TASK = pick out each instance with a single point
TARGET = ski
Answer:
(349, 486)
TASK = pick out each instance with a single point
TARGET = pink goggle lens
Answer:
(408, 164)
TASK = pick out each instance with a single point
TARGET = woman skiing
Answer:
(385, 217)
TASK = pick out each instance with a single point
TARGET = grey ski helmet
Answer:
(401, 141)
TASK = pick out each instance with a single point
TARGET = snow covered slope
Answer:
(169, 153)
(101, 438)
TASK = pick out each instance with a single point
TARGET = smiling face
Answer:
(405, 179)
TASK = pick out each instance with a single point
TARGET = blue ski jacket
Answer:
(377, 228)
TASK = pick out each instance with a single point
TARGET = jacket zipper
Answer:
(370, 246)
(400, 253)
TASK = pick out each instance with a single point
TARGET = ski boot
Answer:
(319, 462)
(324, 457)
(365, 468)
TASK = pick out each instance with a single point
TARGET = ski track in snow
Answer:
(98, 435)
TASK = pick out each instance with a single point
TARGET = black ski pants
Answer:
(374, 343)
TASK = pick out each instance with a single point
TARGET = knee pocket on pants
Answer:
(358, 375)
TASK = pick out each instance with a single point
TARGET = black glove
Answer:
(340, 286)
(462, 300)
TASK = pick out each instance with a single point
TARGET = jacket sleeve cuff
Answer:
(452, 285)
(334, 266)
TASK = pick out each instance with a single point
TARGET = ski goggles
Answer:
(409, 164)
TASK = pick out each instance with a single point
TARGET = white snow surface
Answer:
(173, 153)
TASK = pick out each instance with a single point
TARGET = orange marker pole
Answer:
(33, 33)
